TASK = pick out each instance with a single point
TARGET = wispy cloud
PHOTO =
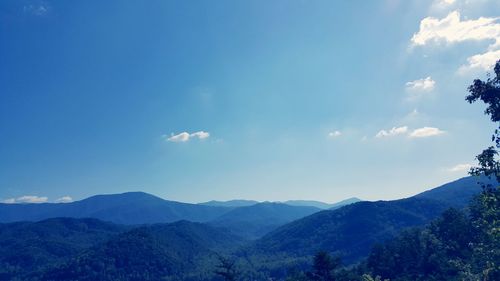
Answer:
(392, 132)
(404, 131)
(39, 9)
(426, 132)
(64, 199)
(444, 3)
(26, 199)
(459, 168)
(185, 136)
(334, 134)
(418, 88)
(481, 61)
(424, 84)
(414, 113)
(201, 135)
(451, 30)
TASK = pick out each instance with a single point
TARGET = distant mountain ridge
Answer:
(351, 231)
(456, 193)
(230, 203)
(307, 203)
(322, 205)
(125, 208)
(256, 220)
(91, 249)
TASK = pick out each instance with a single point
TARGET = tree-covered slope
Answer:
(159, 252)
(457, 193)
(32, 246)
(351, 231)
(256, 220)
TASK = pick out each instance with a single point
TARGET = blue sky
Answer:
(265, 100)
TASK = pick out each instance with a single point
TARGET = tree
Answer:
(489, 92)
(323, 267)
(485, 208)
(368, 277)
(226, 269)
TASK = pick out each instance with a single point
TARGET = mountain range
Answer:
(253, 221)
(250, 219)
(352, 230)
(264, 238)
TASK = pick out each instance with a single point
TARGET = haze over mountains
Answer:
(350, 231)
(308, 203)
(265, 237)
(142, 208)
(322, 205)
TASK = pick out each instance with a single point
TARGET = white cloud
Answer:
(31, 199)
(418, 88)
(426, 132)
(443, 3)
(185, 136)
(37, 10)
(64, 199)
(403, 130)
(201, 135)
(451, 30)
(182, 137)
(35, 199)
(460, 168)
(440, 6)
(392, 132)
(9, 201)
(481, 61)
(334, 134)
(26, 199)
(424, 84)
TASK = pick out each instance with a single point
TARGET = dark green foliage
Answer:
(489, 92)
(434, 253)
(89, 249)
(226, 269)
(488, 165)
(27, 247)
(485, 220)
(324, 267)
(485, 210)
(454, 247)
(349, 231)
(177, 251)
